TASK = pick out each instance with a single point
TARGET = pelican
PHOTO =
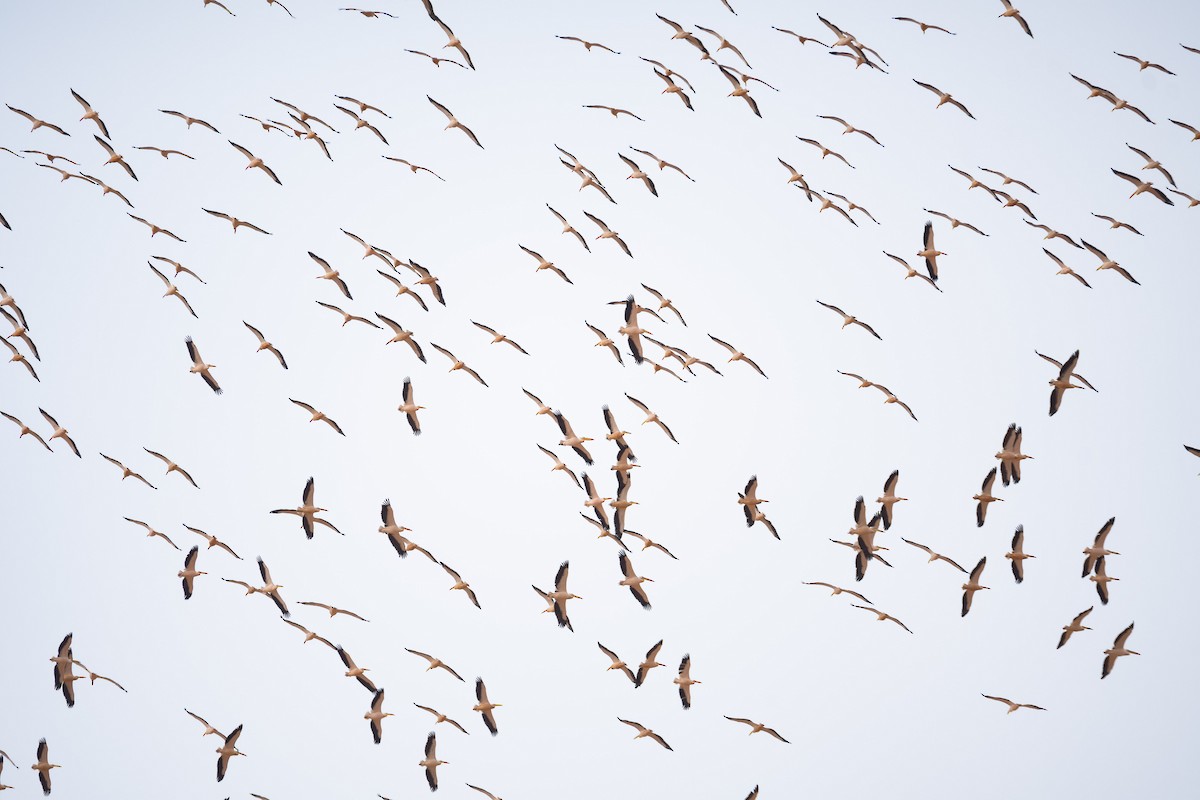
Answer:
(415, 168)
(302, 116)
(984, 497)
(1075, 627)
(307, 511)
(1152, 163)
(974, 184)
(934, 556)
(1098, 549)
(1011, 705)
(621, 503)
(330, 274)
(376, 716)
(409, 408)
(485, 792)
(1014, 13)
(648, 663)
(644, 732)
(836, 590)
(93, 677)
(319, 416)
(1101, 578)
(756, 727)
(266, 126)
(458, 364)
(738, 355)
(891, 398)
(1192, 201)
(256, 162)
(1010, 455)
(1017, 554)
(944, 97)
(559, 466)
(648, 543)
(568, 228)
(803, 40)
(560, 596)
(306, 132)
(929, 252)
(664, 303)
(427, 278)
(333, 610)
(889, 498)
(615, 434)
(50, 157)
(624, 456)
(848, 129)
(440, 718)
(454, 123)
(848, 319)
(825, 151)
(684, 681)
(62, 660)
(608, 233)
(154, 229)
(1189, 128)
(633, 581)
(435, 663)
(1063, 269)
(431, 762)
(485, 706)
(616, 112)
(972, 585)
(43, 765)
(543, 264)
(357, 672)
(1142, 63)
(596, 502)
(189, 120)
(796, 178)
(151, 532)
(359, 122)
(25, 430)
(19, 357)
(208, 729)
(459, 583)
(1141, 186)
(617, 663)
(880, 616)
(7, 301)
(271, 589)
(1063, 382)
(179, 268)
(570, 438)
(1115, 224)
(238, 223)
(309, 636)
(1052, 234)
(912, 273)
(263, 344)
(638, 174)
(852, 206)
(106, 189)
(827, 203)
(189, 573)
(588, 45)
(126, 472)
(725, 44)
(662, 164)
(59, 432)
(453, 41)
(172, 290)
(437, 60)
(369, 14)
(3, 757)
(227, 751)
(1110, 656)
(670, 73)
(1119, 103)
(955, 223)
(37, 123)
(740, 91)
(652, 417)
(401, 289)
(924, 26)
(114, 157)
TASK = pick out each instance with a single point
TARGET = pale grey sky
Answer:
(868, 708)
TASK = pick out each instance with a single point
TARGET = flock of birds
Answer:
(416, 286)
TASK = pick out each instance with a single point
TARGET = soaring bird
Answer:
(440, 718)
(357, 672)
(570, 438)
(559, 466)
(227, 751)
(644, 732)
(944, 97)
(1075, 627)
(1101, 578)
(189, 573)
(881, 616)
(90, 113)
(1011, 705)
(458, 364)
(436, 663)
(1014, 13)
(1098, 548)
(848, 319)
(256, 162)
(263, 344)
(757, 727)
(652, 417)
(460, 584)
(738, 355)
(1063, 382)
(307, 511)
(376, 716)
(648, 663)
(59, 432)
(1110, 656)
(1010, 455)
(617, 663)
(319, 416)
(934, 556)
(126, 472)
(43, 765)
(431, 762)
(929, 252)
(972, 585)
(684, 681)
(633, 580)
(485, 706)
(453, 123)
(1017, 554)
(26, 430)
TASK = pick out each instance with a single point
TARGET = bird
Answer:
(1110, 656)
(179, 268)
(852, 206)
(616, 112)
(26, 430)
(219, 5)
(1013, 706)
(684, 681)
(1017, 554)
(588, 45)
(189, 120)
(803, 40)
(208, 729)
(359, 122)
(559, 466)
(596, 502)
(608, 233)
(200, 367)
(944, 97)
(749, 501)
(570, 438)
(154, 229)
(114, 157)
(929, 252)
(738, 355)
(172, 290)
(1059, 365)
(912, 273)
(19, 357)
(1075, 627)
(848, 319)
(3, 757)
(126, 472)
(740, 90)
(213, 541)
(1192, 201)
(1143, 64)
(427, 278)
(59, 432)
(333, 610)
(836, 590)
(1063, 382)
(307, 511)
(37, 123)
(402, 290)
(559, 596)
(1063, 269)
(435, 663)
(617, 663)
(825, 151)
(604, 341)
(331, 274)
(454, 123)
(43, 765)
(568, 228)
(1101, 578)
(1116, 224)
(955, 223)
(376, 716)
(485, 707)
(1007, 180)
(227, 751)
(309, 636)
(827, 203)
(415, 168)
(431, 762)
(458, 364)
(189, 572)
(543, 264)
(1108, 263)
(1010, 455)
(644, 732)
(985, 497)
(235, 222)
(1119, 103)
(756, 727)
(972, 585)
(437, 60)
(849, 129)
(675, 89)
(1141, 186)
(648, 543)
(891, 398)
(924, 26)
(256, 162)
(1052, 234)
(459, 583)
(638, 174)
(880, 616)
(633, 581)
(1098, 549)
(1189, 128)
(934, 556)
(1014, 13)
(440, 718)
(263, 344)
(357, 672)
(62, 659)
(1152, 163)
(319, 416)
(652, 417)
(648, 663)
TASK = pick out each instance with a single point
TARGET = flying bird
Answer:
(1110, 656)
(644, 732)
(485, 707)
(1075, 627)
(318, 416)
(972, 585)
(757, 727)
(263, 344)
(307, 511)
(457, 363)
(1011, 705)
(454, 123)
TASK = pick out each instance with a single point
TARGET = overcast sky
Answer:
(867, 708)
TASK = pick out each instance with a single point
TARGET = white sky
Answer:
(868, 708)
